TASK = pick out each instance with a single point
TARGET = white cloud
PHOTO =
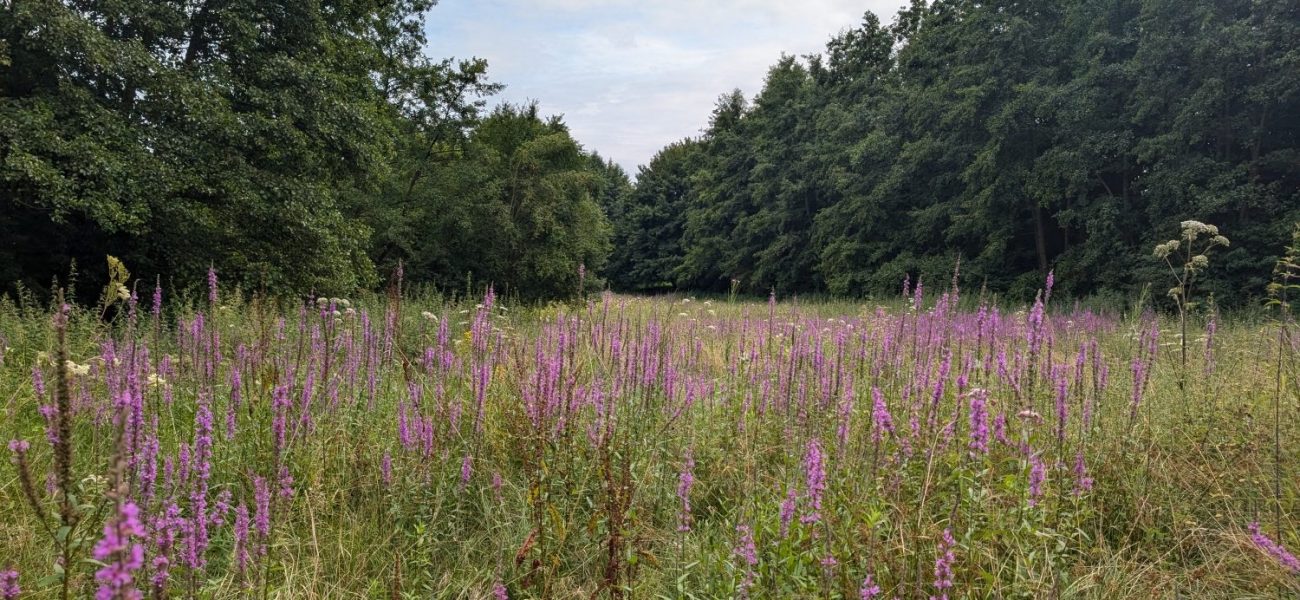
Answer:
(631, 76)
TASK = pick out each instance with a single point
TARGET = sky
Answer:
(631, 76)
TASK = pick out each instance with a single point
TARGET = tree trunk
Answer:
(1040, 237)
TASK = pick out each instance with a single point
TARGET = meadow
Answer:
(942, 443)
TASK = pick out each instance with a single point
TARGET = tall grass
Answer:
(409, 447)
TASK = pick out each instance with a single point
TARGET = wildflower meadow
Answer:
(937, 444)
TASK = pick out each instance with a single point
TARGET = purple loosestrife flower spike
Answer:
(815, 480)
(262, 502)
(157, 297)
(685, 480)
(9, 589)
(943, 566)
(1265, 543)
(202, 471)
(286, 483)
(241, 539)
(880, 416)
(1037, 474)
(869, 588)
(979, 421)
(1062, 407)
(1082, 482)
(466, 470)
(499, 591)
(212, 285)
(787, 511)
(38, 381)
(232, 411)
(746, 553)
(123, 557)
(1000, 429)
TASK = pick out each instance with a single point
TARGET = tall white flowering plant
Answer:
(1186, 257)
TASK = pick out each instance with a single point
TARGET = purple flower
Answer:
(232, 410)
(1082, 482)
(38, 381)
(386, 469)
(212, 285)
(466, 470)
(746, 553)
(157, 297)
(499, 591)
(787, 511)
(979, 421)
(1062, 408)
(165, 529)
(1037, 474)
(1034, 327)
(1265, 543)
(201, 468)
(685, 480)
(1000, 429)
(815, 481)
(869, 588)
(943, 565)
(286, 483)
(262, 502)
(18, 446)
(9, 585)
(241, 539)
(880, 416)
(122, 555)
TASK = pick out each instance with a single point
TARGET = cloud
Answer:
(631, 76)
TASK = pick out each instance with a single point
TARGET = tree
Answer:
(516, 207)
(649, 226)
(234, 133)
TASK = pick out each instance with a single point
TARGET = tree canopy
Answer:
(1020, 137)
(310, 146)
(290, 145)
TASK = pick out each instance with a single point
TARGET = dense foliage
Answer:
(289, 144)
(1020, 137)
(304, 147)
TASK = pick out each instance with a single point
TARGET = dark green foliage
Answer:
(652, 219)
(517, 204)
(178, 135)
(289, 144)
(1019, 136)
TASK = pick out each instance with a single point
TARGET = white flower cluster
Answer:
(1167, 248)
(339, 302)
(1192, 229)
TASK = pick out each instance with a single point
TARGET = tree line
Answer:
(1017, 137)
(292, 146)
(313, 147)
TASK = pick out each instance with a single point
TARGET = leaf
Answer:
(49, 580)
